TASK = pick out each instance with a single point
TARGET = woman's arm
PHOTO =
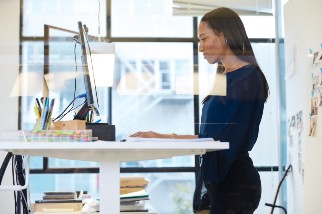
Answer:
(151, 134)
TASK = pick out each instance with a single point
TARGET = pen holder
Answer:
(37, 125)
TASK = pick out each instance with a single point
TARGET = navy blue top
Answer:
(233, 118)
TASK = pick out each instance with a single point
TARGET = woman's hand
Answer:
(151, 134)
(148, 134)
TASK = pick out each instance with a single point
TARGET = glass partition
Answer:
(153, 89)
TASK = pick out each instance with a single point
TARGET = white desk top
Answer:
(122, 151)
(110, 154)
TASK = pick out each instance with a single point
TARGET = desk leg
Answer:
(109, 186)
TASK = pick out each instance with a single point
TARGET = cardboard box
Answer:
(69, 125)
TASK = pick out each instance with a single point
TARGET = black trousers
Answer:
(239, 192)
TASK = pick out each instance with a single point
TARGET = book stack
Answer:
(58, 202)
(132, 184)
(133, 195)
(52, 196)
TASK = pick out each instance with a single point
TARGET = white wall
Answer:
(9, 65)
(303, 31)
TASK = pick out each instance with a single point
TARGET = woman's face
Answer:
(211, 44)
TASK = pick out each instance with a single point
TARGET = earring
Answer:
(226, 42)
(243, 48)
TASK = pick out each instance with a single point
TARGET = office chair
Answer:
(277, 191)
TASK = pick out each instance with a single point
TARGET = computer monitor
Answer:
(64, 51)
(89, 78)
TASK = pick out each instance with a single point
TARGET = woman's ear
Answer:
(223, 38)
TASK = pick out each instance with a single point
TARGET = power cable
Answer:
(4, 165)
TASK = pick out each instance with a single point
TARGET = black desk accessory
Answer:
(103, 131)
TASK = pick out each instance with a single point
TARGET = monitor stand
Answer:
(82, 113)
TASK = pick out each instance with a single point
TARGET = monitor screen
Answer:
(88, 73)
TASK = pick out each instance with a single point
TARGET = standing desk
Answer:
(110, 154)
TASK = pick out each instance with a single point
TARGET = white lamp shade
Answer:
(103, 59)
(27, 84)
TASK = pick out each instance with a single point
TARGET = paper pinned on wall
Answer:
(310, 61)
(312, 125)
(317, 57)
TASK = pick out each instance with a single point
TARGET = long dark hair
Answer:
(226, 21)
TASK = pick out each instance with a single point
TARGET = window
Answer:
(148, 18)
(64, 14)
(265, 26)
(153, 107)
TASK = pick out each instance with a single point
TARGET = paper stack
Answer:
(133, 194)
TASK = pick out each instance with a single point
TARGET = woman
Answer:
(232, 181)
